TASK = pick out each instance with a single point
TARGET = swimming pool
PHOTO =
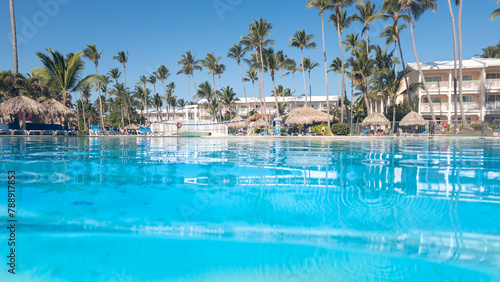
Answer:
(100, 209)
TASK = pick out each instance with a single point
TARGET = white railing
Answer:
(438, 85)
(493, 83)
(425, 107)
(470, 106)
(492, 105)
(472, 84)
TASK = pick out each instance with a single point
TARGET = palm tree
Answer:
(361, 69)
(63, 72)
(415, 9)
(490, 52)
(158, 103)
(494, 15)
(114, 73)
(272, 67)
(259, 31)
(291, 66)
(460, 64)
(303, 40)
(189, 65)
(163, 74)
(454, 64)
(237, 52)
(122, 57)
(92, 54)
(120, 92)
(322, 6)
(393, 9)
(252, 76)
(310, 65)
(365, 15)
(181, 103)
(254, 64)
(390, 34)
(169, 98)
(228, 97)
(205, 91)
(341, 22)
(14, 35)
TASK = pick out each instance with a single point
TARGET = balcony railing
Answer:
(493, 83)
(440, 107)
(472, 84)
(438, 85)
(468, 106)
(493, 106)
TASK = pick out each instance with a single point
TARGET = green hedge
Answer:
(341, 129)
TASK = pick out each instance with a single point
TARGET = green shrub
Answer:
(341, 129)
(475, 126)
(317, 129)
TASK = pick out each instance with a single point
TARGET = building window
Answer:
(433, 79)
(468, 119)
(492, 98)
(493, 76)
(467, 77)
(433, 99)
(465, 99)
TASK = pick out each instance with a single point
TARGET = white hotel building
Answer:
(481, 90)
(241, 108)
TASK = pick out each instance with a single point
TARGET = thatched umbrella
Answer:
(58, 113)
(306, 116)
(23, 105)
(376, 119)
(260, 123)
(253, 118)
(239, 124)
(411, 119)
(131, 127)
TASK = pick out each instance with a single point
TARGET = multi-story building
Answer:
(242, 108)
(480, 90)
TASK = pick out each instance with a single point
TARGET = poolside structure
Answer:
(239, 123)
(412, 119)
(58, 113)
(376, 119)
(22, 107)
(260, 123)
(480, 94)
(306, 116)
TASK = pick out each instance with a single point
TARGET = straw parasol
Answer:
(306, 116)
(131, 127)
(260, 123)
(58, 113)
(23, 105)
(253, 118)
(411, 119)
(376, 119)
(239, 124)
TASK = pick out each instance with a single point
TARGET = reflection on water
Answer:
(435, 200)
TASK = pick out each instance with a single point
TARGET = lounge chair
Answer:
(142, 131)
(366, 132)
(95, 130)
(4, 128)
(149, 131)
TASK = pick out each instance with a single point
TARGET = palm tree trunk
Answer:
(100, 99)
(343, 71)
(393, 116)
(263, 87)
(243, 82)
(294, 89)
(326, 71)
(310, 88)
(276, 97)
(125, 76)
(460, 56)
(14, 35)
(303, 76)
(260, 94)
(84, 118)
(254, 97)
(455, 123)
(406, 77)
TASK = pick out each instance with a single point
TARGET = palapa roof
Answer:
(253, 118)
(376, 119)
(260, 123)
(240, 124)
(131, 127)
(57, 112)
(413, 118)
(21, 103)
(306, 116)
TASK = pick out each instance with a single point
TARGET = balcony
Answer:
(468, 107)
(471, 84)
(438, 85)
(493, 83)
(493, 106)
(438, 107)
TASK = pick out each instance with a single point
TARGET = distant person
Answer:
(323, 130)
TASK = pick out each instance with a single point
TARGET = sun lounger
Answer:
(95, 130)
(142, 131)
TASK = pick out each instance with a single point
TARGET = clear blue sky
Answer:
(159, 32)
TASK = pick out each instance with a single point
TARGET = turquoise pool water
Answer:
(135, 209)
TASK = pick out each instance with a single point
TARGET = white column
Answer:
(483, 94)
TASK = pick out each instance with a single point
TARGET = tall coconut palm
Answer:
(189, 65)
(365, 15)
(14, 35)
(390, 34)
(181, 103)
(252, 76)
(92, 54)
(460, 63)
(387, 84)
(158, 103)
(63, 72)
(303, 40)
(143, 80)
(493, 16)
(393, 9)
(211, 63)
(291, 66)
(254, 64)
(228, 97)
(415, 9)
(115, 73)
(257, 38)
(169, 98)
(122, 57)
(362, 68)
(162, 73)
(341, 22)
(309, 65)
(322, 6)
(272, 67)
(237, 52)
(455, 74)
